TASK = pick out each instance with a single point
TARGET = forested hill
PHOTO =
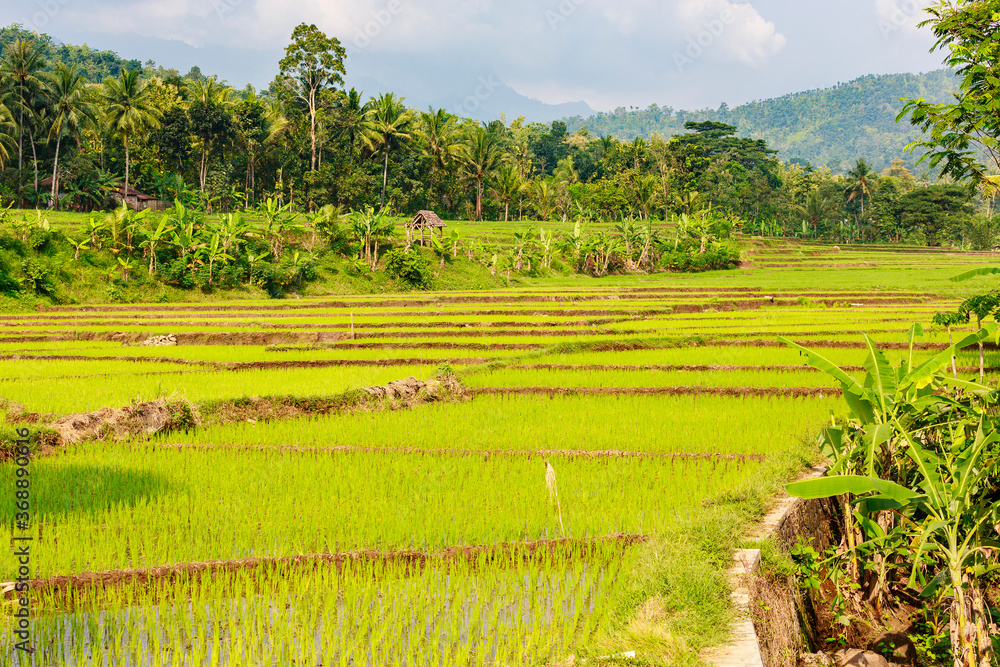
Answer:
(96, 65)
(833, 127)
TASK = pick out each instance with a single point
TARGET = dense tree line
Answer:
(833, 127)
(306, 142)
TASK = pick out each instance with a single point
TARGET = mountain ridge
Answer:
(830, 127)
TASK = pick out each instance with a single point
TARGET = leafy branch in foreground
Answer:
(962, 136)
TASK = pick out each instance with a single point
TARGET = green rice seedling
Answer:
(69, 395)
(715, 424)
(553, 377)
(111, 507)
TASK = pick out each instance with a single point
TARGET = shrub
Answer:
(717, 256)
(37, 277)
(408, 266)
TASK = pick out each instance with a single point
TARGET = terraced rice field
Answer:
(428, 534)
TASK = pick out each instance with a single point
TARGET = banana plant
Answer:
(233, 229)
(216, 253)
(910, 463)
(127, 265)
(545, 240)
(440, 247)
(326, 222)
(95, 228)
(946, 521)
(252, 260)
(277, 222)
(78, 245)
(155, 236)
(948, 320)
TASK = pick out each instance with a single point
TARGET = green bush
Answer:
(717, 256)
(37, 277)
(408, 266)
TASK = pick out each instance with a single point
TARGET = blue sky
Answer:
(608, 53)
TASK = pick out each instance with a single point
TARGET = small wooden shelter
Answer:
(424, 220)
(138, 201)
(135, 200)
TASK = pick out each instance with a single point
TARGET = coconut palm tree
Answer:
(481, 154)
(439, 139)
(645, 190)
(817, 209)
(543, 197)
(566, 172)
(387, 126)
(21, 66)
(348, 119)
(71, 109)
(128, 110)
(211, 118)
(8, 130)
(860, 182)
(506, 185)
(259, 141)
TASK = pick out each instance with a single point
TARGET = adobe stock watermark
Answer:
(697, 44)
(44, 11)
(562, 13)
(902, 14)
(380, 20)
(223, 7)
(484, 91)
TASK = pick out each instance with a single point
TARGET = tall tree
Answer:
(211, 119)
(71, 109)
(387, 126)
(963, 136)
(860, 183)
(817, 209)
(8, 130)
(349, 118)
(313, 64)
(439, 139)
(258, 127)
(128, 110)
(482, 152)
(23, 61)
(506, 185)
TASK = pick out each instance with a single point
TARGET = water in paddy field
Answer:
(516, 616)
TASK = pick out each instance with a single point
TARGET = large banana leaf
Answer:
(971, 387)
(879, 370)
(923, 374)
(826, 487)
(860, 406)
(975, 273)
(821, 363)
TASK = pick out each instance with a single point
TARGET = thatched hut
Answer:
(423, 220)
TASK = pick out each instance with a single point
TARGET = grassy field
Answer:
(615, 439)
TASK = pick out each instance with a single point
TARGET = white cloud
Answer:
(607, 52)
(730, 31)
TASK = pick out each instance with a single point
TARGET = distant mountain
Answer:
(483, 98)
(829, 127)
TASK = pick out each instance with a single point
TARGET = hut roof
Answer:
(428, 219)
(120, 189)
